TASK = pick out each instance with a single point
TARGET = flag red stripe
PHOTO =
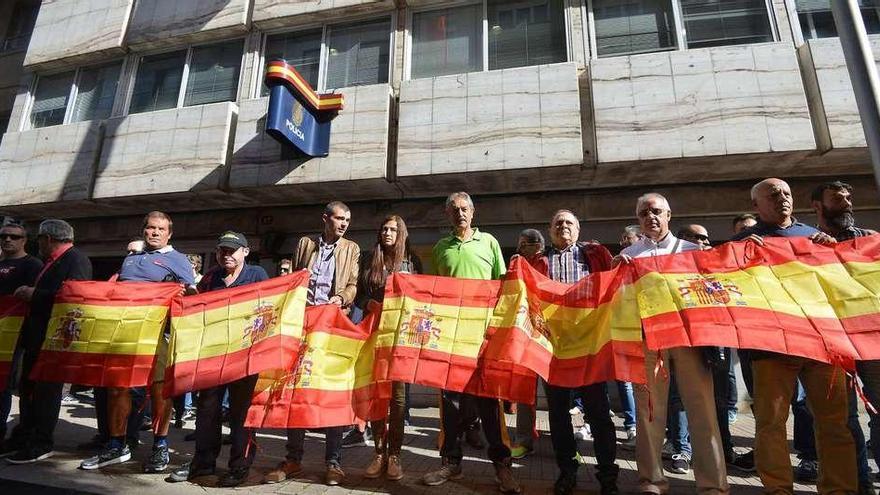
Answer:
(590, 292)
(317, 408)
(276, 352)
(225, 297)
(448, 291)
(12, 306)
(96, 370)
(5, 369)
(116, 293)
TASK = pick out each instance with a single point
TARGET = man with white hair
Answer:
(40, 402)
(775, 376)
(689, 368)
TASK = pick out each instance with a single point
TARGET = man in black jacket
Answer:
(41, 401)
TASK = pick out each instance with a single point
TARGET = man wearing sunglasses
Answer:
(17, 268)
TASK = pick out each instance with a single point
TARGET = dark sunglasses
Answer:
(14, 237)
(700, 237)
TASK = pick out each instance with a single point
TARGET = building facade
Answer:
(124, 106)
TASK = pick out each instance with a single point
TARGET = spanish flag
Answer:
(332, 381)
(104, 334)
(221, 336)
(570, 334)
(790, 296)
(433, 332)
(12, 311)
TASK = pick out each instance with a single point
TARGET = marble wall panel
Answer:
(703, 102)
(358, 144)
(526, 117)
(49, 164)
(168, 151)
(270, 14)
(163, 22)
(835, 91)
(74, 30)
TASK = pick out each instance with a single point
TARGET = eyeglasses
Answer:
(14, 237)
(700, 237)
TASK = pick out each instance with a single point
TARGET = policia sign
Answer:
(298, 117)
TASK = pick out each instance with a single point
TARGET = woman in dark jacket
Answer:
(391, 254)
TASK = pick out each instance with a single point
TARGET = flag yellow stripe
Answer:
(838, 290)
(106, 329)
(10, 327)
(226, 329)
(330, 362)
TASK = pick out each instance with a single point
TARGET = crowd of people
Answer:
(677, 421)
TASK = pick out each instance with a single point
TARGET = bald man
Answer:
(775, 376)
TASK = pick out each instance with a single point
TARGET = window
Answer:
(517, 33)
(50, 99)
(301, 50)
(358, 54)
(725, 22)
(213, 73)
(336, 56)
(817, 21)
(524, 33)
(633, 27)
(447, 41)
(95, 93)
(196, 76)
(20, 27)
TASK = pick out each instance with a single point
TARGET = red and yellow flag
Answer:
(104, 334)
(12, 311)
(332, 381)
(221, 336)
(789, 296)
(433, 331)
(570, 334)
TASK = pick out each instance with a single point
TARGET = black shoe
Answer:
(185, 472)
(472, 437)
(234, 477)
(607, 477)
(29, 454)
(147, 425)
(807, 471)
(9, 447)
(106, 458)
(178, 423)
(681, 463)
(744, 463)
(565, 484)
(190, 437)
(158, 460)
(354, 438)
(96, 443)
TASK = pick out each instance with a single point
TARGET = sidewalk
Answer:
(537, 472)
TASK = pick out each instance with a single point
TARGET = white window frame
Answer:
(795, 21)
(681, 38)
(184, 78)
(408, 42)
(324, 57)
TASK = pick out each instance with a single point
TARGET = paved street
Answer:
(59, 474)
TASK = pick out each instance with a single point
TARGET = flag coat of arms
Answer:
(104, 334)
(224, 335)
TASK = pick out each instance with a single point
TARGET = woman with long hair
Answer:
(391, 254)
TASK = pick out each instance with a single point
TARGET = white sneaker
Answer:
(583, 433)
(630, 442)
(574, 411)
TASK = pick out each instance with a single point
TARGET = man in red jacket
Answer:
(568, 262)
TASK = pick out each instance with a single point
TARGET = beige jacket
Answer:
(347, 256)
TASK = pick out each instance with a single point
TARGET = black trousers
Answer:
(454, 420)
(597, 412)
(39, 406)
(721, 379)
(209, 419)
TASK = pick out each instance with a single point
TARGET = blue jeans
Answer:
(676, 421)
(804, 434)
(869, 371)
(627, 403)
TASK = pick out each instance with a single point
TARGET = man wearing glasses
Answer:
(17, 268)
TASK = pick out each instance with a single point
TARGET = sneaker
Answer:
(108, 457)
(185, 472)
(681, 463)
(178, 423)
(473, 438)
(354, 438)
(376, 467)
(284, 470)
(189, 415)
(743, 462)
(29, 455)
(9, 447)
(506, 482)
(234, 477)
(866, 489)
(565, 484)
(393, 470)
(520, 451)
(574, 411)
(158, 460)
(69, 400)
(731, 417)
(807, 471)
(583, 433)
(447, 471)
(667, 451)
(334, 475)
(630, 442)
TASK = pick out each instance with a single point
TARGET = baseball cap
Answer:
(233, 240)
